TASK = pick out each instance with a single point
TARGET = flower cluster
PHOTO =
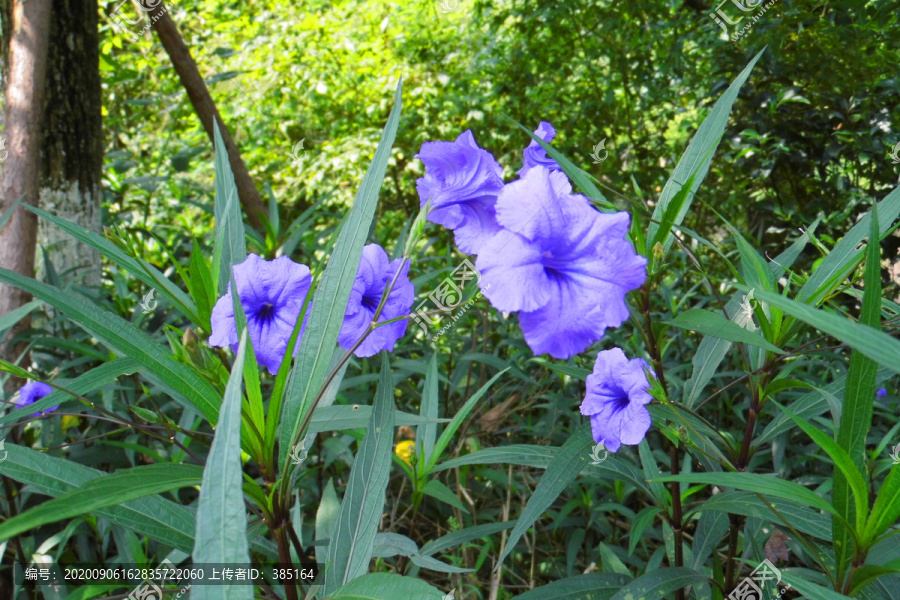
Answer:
(272, 294)
(543, 251)
(550, 256)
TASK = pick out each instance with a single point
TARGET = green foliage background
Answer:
(807, 141)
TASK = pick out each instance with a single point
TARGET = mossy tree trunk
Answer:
(72, 139)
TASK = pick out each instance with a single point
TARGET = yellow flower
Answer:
(404, 450)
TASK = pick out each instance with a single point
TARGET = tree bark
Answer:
(206, 109)
(22, 130)
(72, 139)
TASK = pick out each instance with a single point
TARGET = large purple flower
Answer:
(462, 181)
(535, 155)
(615, 399)
(33, 391)
(563, 264)
(376, 271)
(272, 295)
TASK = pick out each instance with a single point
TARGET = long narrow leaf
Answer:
(561, 471)
(846, 254)
(230, 248)
(880, 347)
(127, 340)
(86, 383)
(698, 156)
(141, 269)
(221, 517)
(353, 538)
(714, 324)
(154, 516)
(333, 292)
(856, 412)
(104, 491)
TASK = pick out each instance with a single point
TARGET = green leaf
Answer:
(160, 519)
(329, 509)
(886, 509)
(659, 582)
(386, 586)
(611, 562)
(651, 470)
(540, 457)
(880, 347)
(711, 528)
(436, 489)
(810, 590)
(856, 411)
(712, 350)
(351, 545)
(671, 214)
(639, 524)
(844, 464)
(141, 269)
(803, 519)
(13, 317)
(201, 286)
(333, 292)
(221, 517)
(869, 573)
(841, 261)
(104, 491)
(696, 159)
(463, 536)
(127, 340)
(593, 586)
(458, 418)
(341, 417)
(393, 544)
(811, 405)
(429, 410)
(714, 324)
(754, 482)
(86, 383)
(561, 471)
(230, 247)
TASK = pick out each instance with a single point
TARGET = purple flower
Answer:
(272, 295)
(462, 181)
(33, 391)
(881, 392)
(376, 271)
(563, 264)
(615, 399)
(535, 155)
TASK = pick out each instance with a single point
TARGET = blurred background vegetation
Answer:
(809, 137)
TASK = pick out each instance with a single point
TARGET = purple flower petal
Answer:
(534, 155)
(615, 399)
(33, 391)
(375, 273)
(462, 180)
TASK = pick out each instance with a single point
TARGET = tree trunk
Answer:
(205, 108)
(22, 129)
(72, 139)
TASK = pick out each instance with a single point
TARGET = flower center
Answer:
(371, 302)
(266, 312)
(553, 266)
